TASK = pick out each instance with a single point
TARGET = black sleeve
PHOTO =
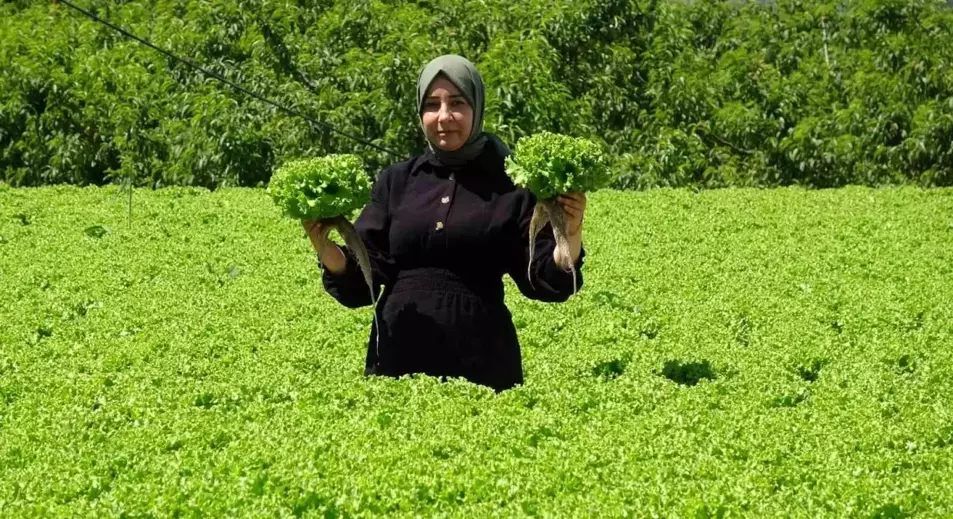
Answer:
(350, 288)
(549, 283)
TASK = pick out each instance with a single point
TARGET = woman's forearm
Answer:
(329, 254)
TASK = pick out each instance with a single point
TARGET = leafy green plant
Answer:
(320, 188)
(550, 164)
(326, 190)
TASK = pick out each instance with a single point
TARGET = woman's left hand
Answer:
(575, 206)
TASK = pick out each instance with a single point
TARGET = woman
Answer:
(441, 230)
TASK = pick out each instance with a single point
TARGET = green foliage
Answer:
(736, 353)
(550, 164)
(523, 94)
(702, 93)
(319, 188)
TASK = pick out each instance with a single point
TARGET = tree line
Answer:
(699, 93)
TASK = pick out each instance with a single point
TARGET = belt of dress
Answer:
(445, 280)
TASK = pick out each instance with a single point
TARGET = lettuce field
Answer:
(735, 352)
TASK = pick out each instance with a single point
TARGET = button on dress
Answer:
(440, 240)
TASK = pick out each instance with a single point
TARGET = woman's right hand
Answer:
(328, 252)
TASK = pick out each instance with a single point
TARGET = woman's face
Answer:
(447, 117)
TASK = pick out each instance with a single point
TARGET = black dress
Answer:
(440, 240)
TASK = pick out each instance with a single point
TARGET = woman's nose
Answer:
(444, 114)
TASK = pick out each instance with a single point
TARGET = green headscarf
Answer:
(463, 74)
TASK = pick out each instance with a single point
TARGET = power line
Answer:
(219, 77)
